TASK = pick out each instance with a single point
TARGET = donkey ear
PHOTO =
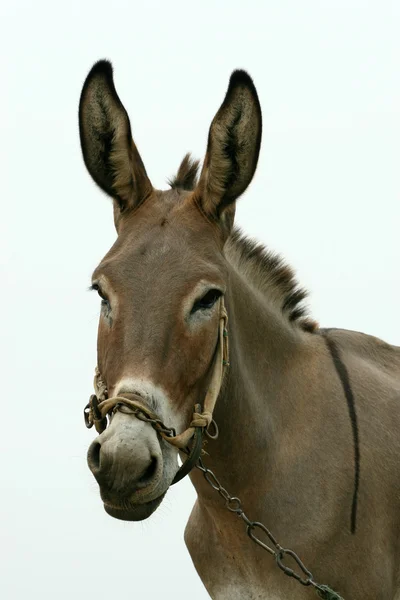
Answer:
(232, 152)
(109, 152)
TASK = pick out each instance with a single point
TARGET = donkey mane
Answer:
(186, 177)
(266, 271)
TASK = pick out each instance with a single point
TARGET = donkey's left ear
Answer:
(232, 152)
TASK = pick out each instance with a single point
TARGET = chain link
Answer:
(156, 423)
(234, 505)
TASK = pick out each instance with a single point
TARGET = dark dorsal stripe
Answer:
(348, 392)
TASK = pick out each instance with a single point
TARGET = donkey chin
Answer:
(127, 511)
(133, 469)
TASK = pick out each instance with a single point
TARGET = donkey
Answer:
(309, 418)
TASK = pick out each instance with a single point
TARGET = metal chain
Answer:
(253, 528)
(234, 505)
(156, 423)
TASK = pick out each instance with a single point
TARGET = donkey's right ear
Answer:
(109, 152)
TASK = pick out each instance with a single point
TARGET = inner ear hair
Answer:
(109, 152)
(233, 147)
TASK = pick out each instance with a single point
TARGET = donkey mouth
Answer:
(138, 512)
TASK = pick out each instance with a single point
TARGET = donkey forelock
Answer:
(187, 175)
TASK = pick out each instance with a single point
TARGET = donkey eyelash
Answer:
(94, 287)
(207, 300)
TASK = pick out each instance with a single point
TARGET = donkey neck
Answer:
(250, 412)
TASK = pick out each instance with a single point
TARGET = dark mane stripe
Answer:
(343, 374)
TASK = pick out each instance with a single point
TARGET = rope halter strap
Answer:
(100, 406)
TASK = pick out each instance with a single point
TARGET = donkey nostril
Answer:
(149, 473)
(94, 455)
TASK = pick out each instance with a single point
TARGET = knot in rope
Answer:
(203, 419)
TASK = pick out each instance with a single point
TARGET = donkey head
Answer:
(160, 282)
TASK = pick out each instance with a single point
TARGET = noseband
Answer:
(100, 407)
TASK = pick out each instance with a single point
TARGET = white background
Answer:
(326, 195)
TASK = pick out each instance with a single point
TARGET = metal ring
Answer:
(215, 434)
(86, 416)
(94, 403)
(234, 504)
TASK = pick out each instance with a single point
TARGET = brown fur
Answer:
(285, 445)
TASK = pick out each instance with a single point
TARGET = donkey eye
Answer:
(104, 299)
(207, 301)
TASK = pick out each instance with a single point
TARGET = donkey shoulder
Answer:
(372, 364)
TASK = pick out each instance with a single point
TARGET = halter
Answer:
(100, 406)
